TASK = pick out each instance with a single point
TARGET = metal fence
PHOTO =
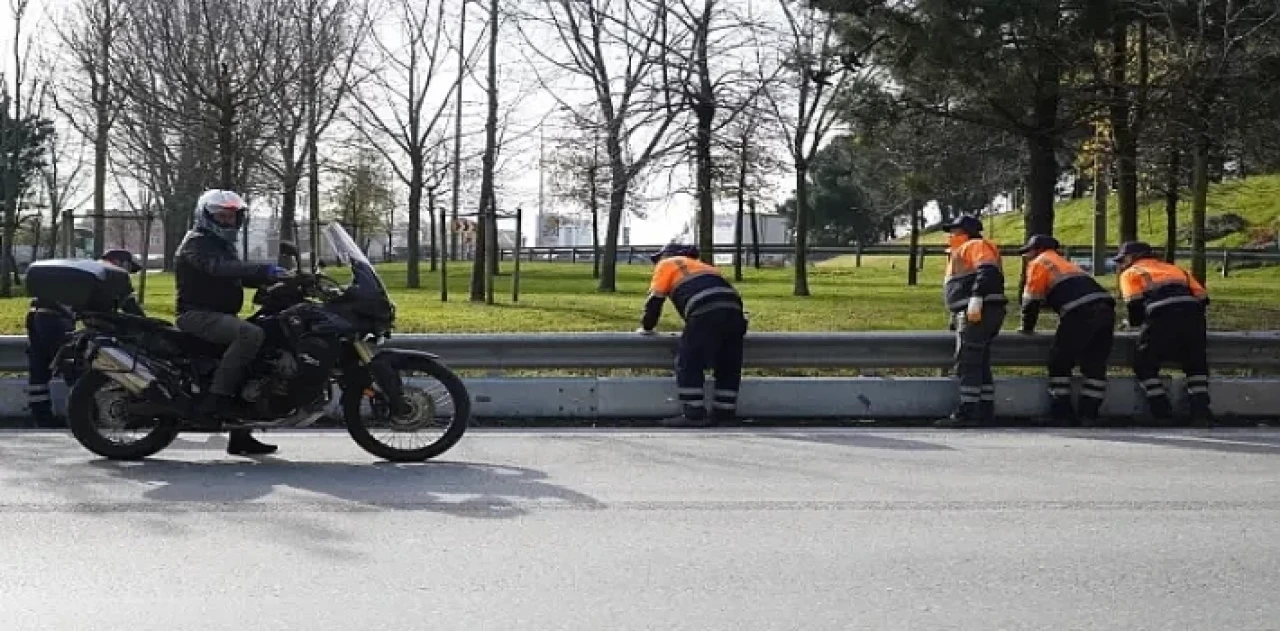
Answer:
(891, 349)
(880, 398)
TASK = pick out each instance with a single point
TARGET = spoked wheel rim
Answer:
(114, 420)
(431, 411)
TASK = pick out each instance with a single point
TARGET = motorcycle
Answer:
(137, 371)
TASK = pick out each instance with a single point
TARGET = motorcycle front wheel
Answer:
(97, 403)
(438, 402)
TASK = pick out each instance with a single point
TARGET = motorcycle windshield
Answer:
(364, 278)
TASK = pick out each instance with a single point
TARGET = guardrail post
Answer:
(857, 256)
(1226, 263)
(631, 255)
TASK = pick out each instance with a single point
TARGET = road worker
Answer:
(1169, 305)
(48, 325)
(715, 324)
(1086, 327)
(973, 291)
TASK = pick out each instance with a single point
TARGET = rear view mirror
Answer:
(290, 249)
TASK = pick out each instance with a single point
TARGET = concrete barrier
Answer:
(799, 398)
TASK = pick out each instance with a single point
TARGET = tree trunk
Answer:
(1042, 175)
(457, 133)
(593, 188)
(1099, 213)
(755, 234)
(412, 277)
(743, 158)
(1199, 202)
(617, 203)
(801, 287)
(1042, 178)
(483, 223)
(431, 221)
(1126, 143)
(288, 209)
(913, 250)
(706, 201)
(1171, 204)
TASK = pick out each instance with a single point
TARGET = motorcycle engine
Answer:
(280, 371)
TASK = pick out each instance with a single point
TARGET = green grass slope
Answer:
(1256, 199)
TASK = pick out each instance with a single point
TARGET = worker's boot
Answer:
(1201, 415)
(1090, 411)
(1061, 411)
(690, 416)
(1161, 409)
(965, 416)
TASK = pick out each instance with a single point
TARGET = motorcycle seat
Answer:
(172, 334)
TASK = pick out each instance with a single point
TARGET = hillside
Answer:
(1256, 200)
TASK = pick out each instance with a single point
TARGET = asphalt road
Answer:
(607, 530)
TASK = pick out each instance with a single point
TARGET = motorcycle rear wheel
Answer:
(457, 390)
(83, 413)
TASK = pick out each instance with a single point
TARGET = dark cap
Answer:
(1137, 248)
(675, 249)
(125, 258)
(1039, 242)
(968, 223)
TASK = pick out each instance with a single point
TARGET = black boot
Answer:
(964, 416)
(1090, 411)
(242, 443)
(691, 416)
(1161, 409)
(987, 412)
(1061, 411)
(1201, 415)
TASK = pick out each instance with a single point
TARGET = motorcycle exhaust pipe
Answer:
(123, 368)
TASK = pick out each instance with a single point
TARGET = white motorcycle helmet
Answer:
(222, 213)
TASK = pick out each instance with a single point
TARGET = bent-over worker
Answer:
(1169, 305)
(715, 325)
(1086, 327)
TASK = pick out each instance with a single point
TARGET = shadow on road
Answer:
(474, 490)
(1225, 443)
(868, 441)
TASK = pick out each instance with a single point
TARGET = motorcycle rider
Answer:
(210, 280)
(48, 324)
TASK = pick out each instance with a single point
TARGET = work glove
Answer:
(974, 312)
(644, 331)
(275, 272)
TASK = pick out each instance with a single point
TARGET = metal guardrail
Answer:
(890, 349)
(584, 252)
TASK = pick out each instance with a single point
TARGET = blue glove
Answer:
(275, 271)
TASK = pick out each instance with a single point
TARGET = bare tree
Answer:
(313, 86)
(744, 164)
(803, 106)
(618, 49)
(403, 105)
(61, 179)
(710, 56)
(209, 68)
(91, 38)
(487, 221)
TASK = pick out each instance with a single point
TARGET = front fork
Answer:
(384, 376)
